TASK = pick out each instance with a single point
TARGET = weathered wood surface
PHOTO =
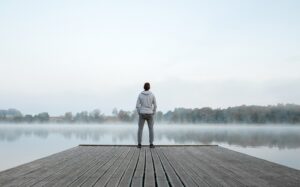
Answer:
(115, 165)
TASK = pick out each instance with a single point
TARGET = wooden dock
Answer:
(118, 165)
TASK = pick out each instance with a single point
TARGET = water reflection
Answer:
(245, 136)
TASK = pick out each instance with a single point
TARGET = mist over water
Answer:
(276, 143)
(244, 136)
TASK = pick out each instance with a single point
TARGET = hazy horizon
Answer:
(60, 56)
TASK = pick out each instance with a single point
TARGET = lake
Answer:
(23, 143)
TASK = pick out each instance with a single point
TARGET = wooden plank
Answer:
(116, 178)
(149, 170)
(128, 175)
(92, 172)
(39, 169)
(138, 177)
(101, 161)
(17, 169)
(188, 167)
(175, 156)
(198, 173)
(66, 178)
(238, 173)
(161, 166)
(160, 175)
(68, 168)
(170, 173)
(201, 171)
(24, 170)
(255, 170)
(181, 173)
(103, 180)
(212, 169)
(92, 179)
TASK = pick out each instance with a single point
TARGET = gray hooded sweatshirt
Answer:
(146, 103)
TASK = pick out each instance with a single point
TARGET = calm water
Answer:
(23, 143)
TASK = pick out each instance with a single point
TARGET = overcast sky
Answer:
(75, 55)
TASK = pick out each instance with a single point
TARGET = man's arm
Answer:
(138, 105)
(154, 104)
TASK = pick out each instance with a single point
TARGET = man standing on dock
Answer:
(146, 108)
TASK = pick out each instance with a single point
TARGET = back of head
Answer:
(147, 86)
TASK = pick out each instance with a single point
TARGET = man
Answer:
(146, 108)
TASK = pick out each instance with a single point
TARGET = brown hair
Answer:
(146, 86)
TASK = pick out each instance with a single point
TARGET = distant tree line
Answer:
(15, 116)
(280, 113)
(288, 113)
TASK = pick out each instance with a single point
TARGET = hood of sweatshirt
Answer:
(146, 92)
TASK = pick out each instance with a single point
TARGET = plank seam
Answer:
(60, 170)
(135, 168)
(98, 166)
(169, 182)
(118, 166)
(144, 169)
(173, 161)
(155, 177)
(173, 168)
(92, 167)
(131, 158)
(199, 160)
(109, 167)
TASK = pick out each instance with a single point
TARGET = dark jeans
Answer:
(150, 122)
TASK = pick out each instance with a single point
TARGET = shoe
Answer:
(139, 146)
(152, 146)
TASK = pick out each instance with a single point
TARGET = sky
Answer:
(72, 55)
